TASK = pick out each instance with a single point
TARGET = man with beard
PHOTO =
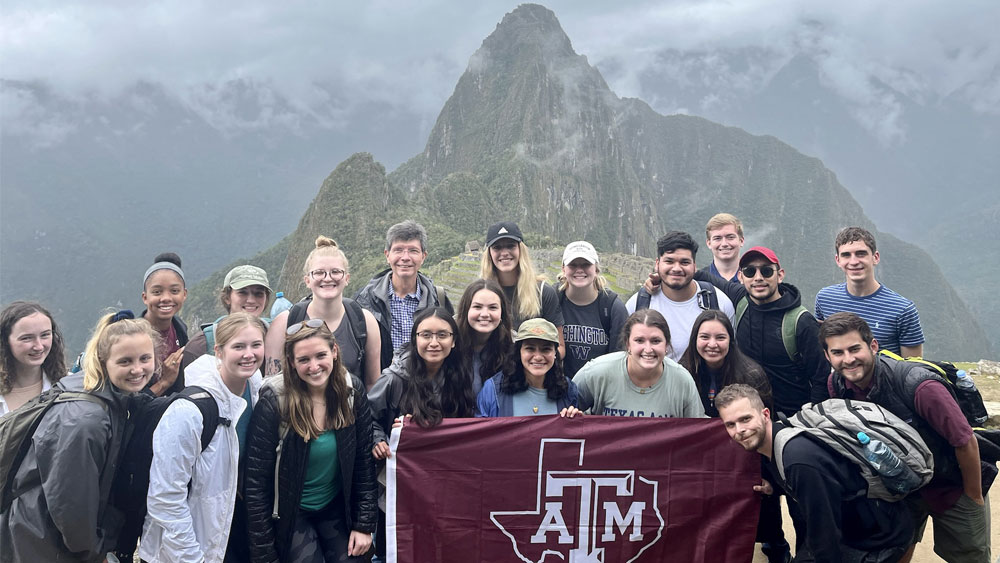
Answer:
(724, 237)
(954, 497)
(840, 522)
(679, 298)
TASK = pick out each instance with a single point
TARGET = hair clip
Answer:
(123, 314)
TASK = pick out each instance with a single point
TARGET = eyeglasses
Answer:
(320, 275)
(751, 271)
(442, 336)
(311, 323)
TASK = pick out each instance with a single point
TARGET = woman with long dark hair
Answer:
(31, 354)
(484, 327)
(536, 385)
(323, 501)
(715, 361)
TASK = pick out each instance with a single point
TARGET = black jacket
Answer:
(270, 538)
(894, 386)
(375, 298)
(758, 334)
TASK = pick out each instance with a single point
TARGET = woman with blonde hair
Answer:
(313, 428)
(61, 510)
(31, 354)
(192, 495)
(506, 261)
(327, 274)
(594, 315)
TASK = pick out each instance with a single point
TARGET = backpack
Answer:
(835, 423)
(132, 482)
(605, 301)
(969, 400)
(789, 322)
(18, 427)
(353, 313)
(707, 297)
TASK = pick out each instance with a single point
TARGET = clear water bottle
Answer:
(963, 381)
(896, 475)
(280, 304)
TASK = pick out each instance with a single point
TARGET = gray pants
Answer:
(322, 536)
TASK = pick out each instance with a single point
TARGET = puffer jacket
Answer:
(375, 298)
(192, 493)
(270, 536)
(63, 483)
(385, 395)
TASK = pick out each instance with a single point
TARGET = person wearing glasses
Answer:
(776, 331)
(356, 330)
(310, 479)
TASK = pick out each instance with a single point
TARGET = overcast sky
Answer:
(318, 60)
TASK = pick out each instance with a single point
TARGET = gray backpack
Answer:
(836, 423)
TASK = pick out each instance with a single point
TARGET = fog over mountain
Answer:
(127, 129)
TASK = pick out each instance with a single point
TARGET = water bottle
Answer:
(280, 304)
(895, 475)
(963, 381)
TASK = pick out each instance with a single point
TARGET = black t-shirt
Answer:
(584, 334)
(550, 305)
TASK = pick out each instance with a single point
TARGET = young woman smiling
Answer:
(642, 380)
(484, 326)
(326, 275)
(593, 314)
(715, 361)
(31, 354)
(506, 260)
(192, 493)
(536, 386)
(60, 515)
(164, 291)
(317, 416)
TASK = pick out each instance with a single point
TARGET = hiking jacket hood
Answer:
(192, 493)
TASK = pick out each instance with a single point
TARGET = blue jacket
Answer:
(491, 402)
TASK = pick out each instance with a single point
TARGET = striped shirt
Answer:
(893, 318)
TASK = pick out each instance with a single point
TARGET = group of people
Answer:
(261, 439)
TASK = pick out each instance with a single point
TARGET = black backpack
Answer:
(605, 301)
(969, 400)
(18, 427)
(132, 481)
(707, 297)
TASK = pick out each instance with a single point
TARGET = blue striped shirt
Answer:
(893, 318)
(402, 310)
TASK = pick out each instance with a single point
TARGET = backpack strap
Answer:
(642, 299)
(209, 412)
(707, 297)
(789, 322)
(297, 313)
(741, 308)
(359, 328)
(605, 302)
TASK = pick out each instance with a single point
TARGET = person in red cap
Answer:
(777, 332)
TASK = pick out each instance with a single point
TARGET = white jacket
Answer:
(192, 525)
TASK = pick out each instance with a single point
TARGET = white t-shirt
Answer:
(680, 317)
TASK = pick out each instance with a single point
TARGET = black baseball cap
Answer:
(504, 229)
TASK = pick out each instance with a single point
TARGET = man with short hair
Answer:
(893, 318)
(679, 298)
(954, 497)
(396, 294)
(841, 522)
(724, 237)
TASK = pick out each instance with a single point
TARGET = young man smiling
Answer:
(840, 524)
(396, 294)
(678, 297)
(724, 237)
(893, 318)
(954, 497)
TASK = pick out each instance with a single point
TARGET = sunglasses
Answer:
(751, 271)
(311, 323)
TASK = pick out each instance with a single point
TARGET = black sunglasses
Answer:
(751, 271)
(311, 323)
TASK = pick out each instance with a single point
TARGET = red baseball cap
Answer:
(761, 251)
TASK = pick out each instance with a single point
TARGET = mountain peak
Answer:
(529, 25)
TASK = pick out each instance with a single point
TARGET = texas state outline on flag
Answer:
(582, 514)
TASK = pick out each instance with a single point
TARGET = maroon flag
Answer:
(583, 490)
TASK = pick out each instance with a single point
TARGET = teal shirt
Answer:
(322, 472)
(532, 402)
(243, 424)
